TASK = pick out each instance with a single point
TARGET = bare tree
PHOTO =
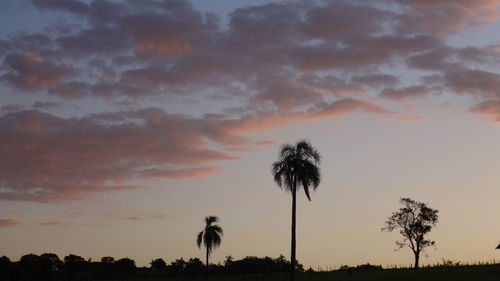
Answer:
(414, 221)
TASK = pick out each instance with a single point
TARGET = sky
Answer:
(124, 123)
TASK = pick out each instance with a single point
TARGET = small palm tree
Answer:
(210, 235)
(297, 166)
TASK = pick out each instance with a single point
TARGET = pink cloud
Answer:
(52, 223)
(266, 142)
(488, 107)
(67, 159)
(136, 216)
(180, 173)
(411, 118)
(9, 222)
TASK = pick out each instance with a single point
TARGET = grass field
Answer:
(452, 273)
(483, 273)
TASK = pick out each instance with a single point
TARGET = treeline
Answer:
(72, 267)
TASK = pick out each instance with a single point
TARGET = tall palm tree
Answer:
(210, 235)
(297, 166)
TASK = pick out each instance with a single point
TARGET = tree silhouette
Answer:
(297, 166)
(210, 236)
(34, 267)
(74, 264)
(158, 265)
(107, 260)
(125, 266)
(55, 262)
(6, 268)
(414, 220)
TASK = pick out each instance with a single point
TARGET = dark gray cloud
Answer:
(406, 93)
(476, 82)
(376, 80)
(44, 105)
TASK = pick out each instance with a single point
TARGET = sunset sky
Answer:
(124, 123)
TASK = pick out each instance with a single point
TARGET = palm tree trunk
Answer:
(292, 255)
(207, 260)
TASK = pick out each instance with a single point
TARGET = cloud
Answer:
(488, 107)
(175, 31)
(96, 40)
(9, 222)
(443, 17)
(266, 142)
(404, 94)
(52, 223)
(136, 216)
(30, 71)
(46, 158)
(411, 118)
(10, 108)
(266, 66)
(166, 48)
(283, 92)
(331, 84)
(49, 159)
(71, 6)
(376, 80)
(165, 45)
(44, 105)
(345, 106)
(340, 19)
(179, 173)
(475, 82)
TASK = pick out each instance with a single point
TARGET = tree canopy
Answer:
(414, 220)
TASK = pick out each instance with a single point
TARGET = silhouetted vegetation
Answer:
(210, 236)
(297, 166)
(414, 221)
(49, 267)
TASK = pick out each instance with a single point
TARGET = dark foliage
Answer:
(158, 265)
(414, 221)
(48, 267)
(210, 236)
